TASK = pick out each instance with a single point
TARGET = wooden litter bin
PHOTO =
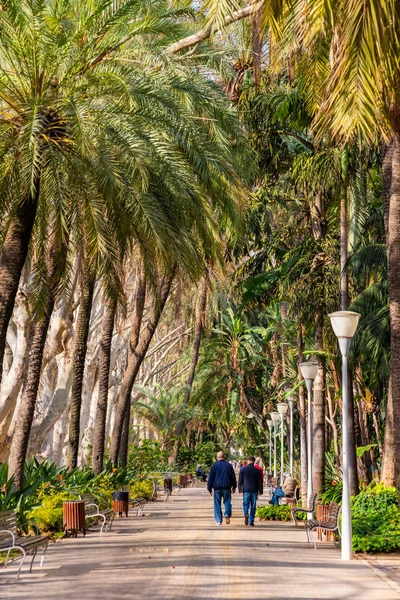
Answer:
(120, 503)
(74, 517)
(168, 484)
(183, 481)
(322, 515)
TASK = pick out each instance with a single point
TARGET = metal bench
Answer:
(10, 540)
(92, 511)
(160, 492)
(331, 524)
(310, 510)
(138, 505)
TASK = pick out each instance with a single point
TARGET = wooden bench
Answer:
(331, 524)
(92, 511)
(11, 540)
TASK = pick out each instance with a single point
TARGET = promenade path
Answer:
(176, 552)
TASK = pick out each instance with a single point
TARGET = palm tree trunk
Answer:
(135, 360)
(257, 38)
(19, 446)
(318, 454)
(124, 444)
(36, 344)
(303, 426)
(198, 332)
(12, 260)
(107, 330)
(137, 318)
(391, 463)
(78, 369)
(344, 301)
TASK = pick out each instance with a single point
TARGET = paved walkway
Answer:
(176, 552)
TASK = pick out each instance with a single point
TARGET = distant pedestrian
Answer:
(257, 465)
(222, 480)
(251, 484)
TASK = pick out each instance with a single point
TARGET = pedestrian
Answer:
(251, 484)
(222, 480)
(257, 465)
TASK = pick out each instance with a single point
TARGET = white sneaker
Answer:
(216, 522)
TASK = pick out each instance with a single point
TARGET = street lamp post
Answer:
(291, 401)
(282, 409)
(309, 371)
(344, 324)
(270, 424)
(275, 418)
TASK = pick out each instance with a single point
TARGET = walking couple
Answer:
(222, 480)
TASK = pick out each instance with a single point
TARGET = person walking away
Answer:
(222, 480)
(251, 484)
(257, 465)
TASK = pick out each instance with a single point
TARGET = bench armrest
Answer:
(10, 533)
(92, 504)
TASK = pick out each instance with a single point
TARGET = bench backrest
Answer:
(88, 499)
(333, 513)
(8, 521)
(312, 501)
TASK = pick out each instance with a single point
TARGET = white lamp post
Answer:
(309, 371)
(282, 409)
(275, 418)
(270, 424)
(291, 401)
(344, 324)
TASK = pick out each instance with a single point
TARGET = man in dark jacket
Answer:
(251, 484)
(222, 480)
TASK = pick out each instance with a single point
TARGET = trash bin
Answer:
(74, 517)
(183, 480)
(168, 484)
(120, 503)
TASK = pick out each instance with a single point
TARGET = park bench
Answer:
(11, 540)
(293, 499)
(159, 492)
(331, 524)
(138, 505)
(309, 510)
(93, 511)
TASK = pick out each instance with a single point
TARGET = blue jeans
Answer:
(250, 502)
(226, 496)
(277, 494)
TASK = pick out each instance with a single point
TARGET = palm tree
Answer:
(69, 131)
(163, 410)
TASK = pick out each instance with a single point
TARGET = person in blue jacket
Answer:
(222, 480)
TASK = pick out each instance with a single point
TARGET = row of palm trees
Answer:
(112, 153)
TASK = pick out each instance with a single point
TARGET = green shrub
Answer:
(376, 520)
(274, 513)
(147, 457)
(142, 489)
(49, 515)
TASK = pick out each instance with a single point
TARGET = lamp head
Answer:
(282, 408)
(275, 417)
(344, 323)
(270, 423)
(292, 400)
(309, 369)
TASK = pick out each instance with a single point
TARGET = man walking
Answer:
(222, 480)
(251, 484)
